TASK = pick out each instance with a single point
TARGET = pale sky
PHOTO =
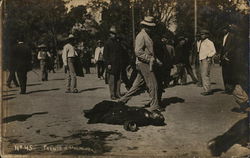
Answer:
(76, 3)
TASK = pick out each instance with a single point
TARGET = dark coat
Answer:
(230, 47)
(181, 54)
(239, 60)
(21, 58)
(113, 55)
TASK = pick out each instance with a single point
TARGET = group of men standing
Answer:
(152, 70)
(154, 58)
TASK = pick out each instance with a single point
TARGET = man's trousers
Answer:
(44, 70)
(12, 77)
(22, 77)
(114, 80)
(227, 77)
(71, 75)
(205, 67)
(144, 76)
(100, 68)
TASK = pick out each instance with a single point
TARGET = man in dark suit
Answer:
(22, 57)
(12, 69)
(113, 59)
(227, 52)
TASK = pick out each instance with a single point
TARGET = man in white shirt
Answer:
(206, 51)
(99, 59)
(69, 58)
(43, 56)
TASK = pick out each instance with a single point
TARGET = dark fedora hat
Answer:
(181, 38)
(204, 31)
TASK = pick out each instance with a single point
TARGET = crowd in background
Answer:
(156, 63)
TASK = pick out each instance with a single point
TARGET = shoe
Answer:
(22, 93)
(147, 105)
(183, 84)
(9, 86)
(227, 92)
(206, 93)
(195, 81)
(121, 102)
(114, 98)
(239, 110)
(67, 91)
(75, 91)
(199, 85)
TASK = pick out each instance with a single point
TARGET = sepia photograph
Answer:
(125, 78)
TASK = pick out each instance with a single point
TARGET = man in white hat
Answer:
(43, 56)
(99, 59)
(69, 58)
(144, 56)
(206, 51)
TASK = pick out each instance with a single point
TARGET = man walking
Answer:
(113, 59)
(144, 61)
(23, 63)
(206, 51)
(69, 59)
(43, 56)
(12, 70)
(99, 59)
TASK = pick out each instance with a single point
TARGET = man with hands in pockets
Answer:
(69, 58)
(206, 51)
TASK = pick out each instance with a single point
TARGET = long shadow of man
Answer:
(237, 134)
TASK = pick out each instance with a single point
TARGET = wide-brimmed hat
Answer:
(232, 27)
(148, 21)
(181, 38)
(42, 46)
(70, 36)
(113, 29)
(204, 31)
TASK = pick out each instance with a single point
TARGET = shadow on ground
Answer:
(8, 98)
(90, 89)
(237, 134)
(57, 79)
(21, 117)
(8, 95)
(12, 90)
(119, 114)
(82, 142)
(34, 84)
(172, 100)
(43, 90)
(216, 90)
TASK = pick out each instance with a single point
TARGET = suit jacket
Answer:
(112, 54)
(22, 57)
(144, 49)
(230, 46)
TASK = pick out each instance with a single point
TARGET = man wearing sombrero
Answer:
(43, 56)
(69, 59)
(144, 56)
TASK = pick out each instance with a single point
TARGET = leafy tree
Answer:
(34, 21)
